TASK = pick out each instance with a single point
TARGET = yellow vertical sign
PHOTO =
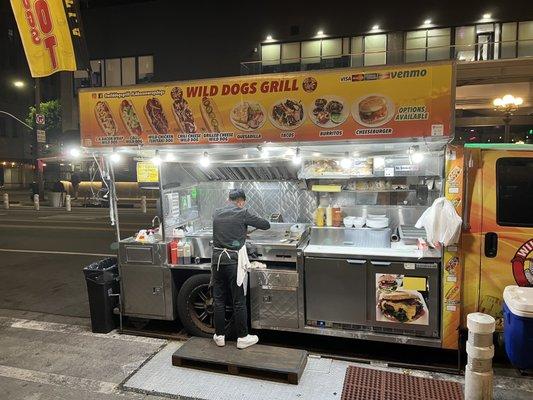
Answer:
(51, 34)
(147, 172)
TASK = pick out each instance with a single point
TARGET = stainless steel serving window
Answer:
(514, 195)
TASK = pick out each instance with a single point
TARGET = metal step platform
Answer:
(259, 361)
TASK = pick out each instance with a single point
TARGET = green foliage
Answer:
(52, 115)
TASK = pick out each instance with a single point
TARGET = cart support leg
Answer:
(143, 204)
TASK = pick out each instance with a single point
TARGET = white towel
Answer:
(243, 265)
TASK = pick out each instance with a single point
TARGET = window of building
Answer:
(508, 40)
(146, 69)
(128, 71)
(270, 54)
(415, 46)
(290, 53)
(311, 52)
(375, 50)
(116, 72)
(357, 51)
(427, 44)
(98, 72)
(465, 39)
(331, 48)
(112, 72)
(515, 191)
(525, 39)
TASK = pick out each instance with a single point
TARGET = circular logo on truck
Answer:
(523, 264)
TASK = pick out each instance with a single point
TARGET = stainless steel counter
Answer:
(396, 251)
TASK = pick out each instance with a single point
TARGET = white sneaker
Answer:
(247, 341)
(220, 340)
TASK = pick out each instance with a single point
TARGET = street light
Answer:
(18, 84)
(507, 105)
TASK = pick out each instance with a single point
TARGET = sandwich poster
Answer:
(52, 35)
(342, 104)
(398, 302)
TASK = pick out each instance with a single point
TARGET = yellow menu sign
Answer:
(147, 172)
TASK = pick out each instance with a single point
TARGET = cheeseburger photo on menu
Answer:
(400, 306)
(373, 109)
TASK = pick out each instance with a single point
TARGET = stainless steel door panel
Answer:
(274, 299)
(143, 290)
(335, 290)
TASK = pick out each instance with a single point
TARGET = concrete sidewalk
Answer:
(52, 357)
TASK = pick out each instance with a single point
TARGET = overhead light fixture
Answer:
(379, 162)
(427, 22)
(44, 164)
(487, 16)
(415, 156)
(375, 27)
(156, 160)
(204, 160)
(74, 152)
(169, 157)
(4, 163)
(320, 33)
(18, 84)
(263, 153)
(297, 158)
(346, 162)
(13, 164)
(115, 157)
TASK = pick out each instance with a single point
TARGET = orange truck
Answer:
(491, 186)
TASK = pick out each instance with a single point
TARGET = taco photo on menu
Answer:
(401, 306)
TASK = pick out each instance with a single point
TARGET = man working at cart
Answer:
(230, 224)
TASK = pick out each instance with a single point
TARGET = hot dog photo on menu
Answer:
(105, 119)
(211, 115)
(182, 111)
(130, 118)
(156, 116)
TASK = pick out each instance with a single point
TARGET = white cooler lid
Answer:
(519, 300)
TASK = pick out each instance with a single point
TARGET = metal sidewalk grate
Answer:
(371, 384)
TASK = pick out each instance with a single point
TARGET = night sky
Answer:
(207, 39)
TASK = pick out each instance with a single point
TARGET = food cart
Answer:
(343, 162)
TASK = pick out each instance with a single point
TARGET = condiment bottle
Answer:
(329, 215)
(319, 216)
(187, 253)
(181, 259)
(337, 216)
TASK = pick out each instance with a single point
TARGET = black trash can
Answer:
(102, 281)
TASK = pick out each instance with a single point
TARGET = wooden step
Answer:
(258, 361)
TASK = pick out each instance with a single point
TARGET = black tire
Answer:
(195, 307)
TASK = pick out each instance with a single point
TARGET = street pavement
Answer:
(47, 350)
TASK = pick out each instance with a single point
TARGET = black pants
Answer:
(224, 280)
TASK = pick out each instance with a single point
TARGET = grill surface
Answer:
(371, 384)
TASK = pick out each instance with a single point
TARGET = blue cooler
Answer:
(518, 325)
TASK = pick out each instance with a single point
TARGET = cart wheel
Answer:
(195, 307)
